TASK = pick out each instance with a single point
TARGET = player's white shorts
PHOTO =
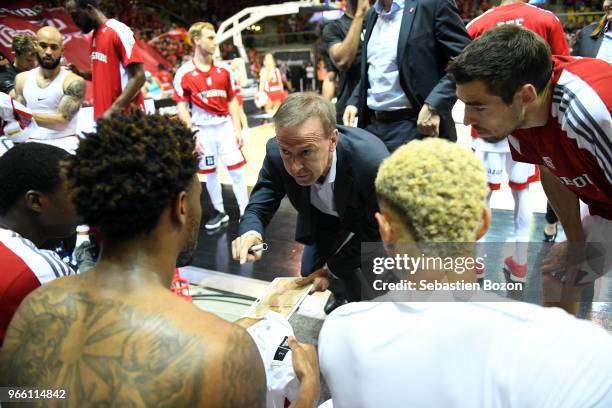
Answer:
(68, 143)
(219, 144)
(496, 157)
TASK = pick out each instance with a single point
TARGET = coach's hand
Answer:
(241, 245)
(428, 122)
(350, 112)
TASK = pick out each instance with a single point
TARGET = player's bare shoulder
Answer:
(74, 85)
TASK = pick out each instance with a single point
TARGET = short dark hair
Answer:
(85, 3)
(504, 58)
(301, 106)
(125, 174)
(29, 166)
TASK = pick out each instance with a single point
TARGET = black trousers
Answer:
(395, 133)
(345, 263)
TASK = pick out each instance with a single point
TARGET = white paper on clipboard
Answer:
(282, 296)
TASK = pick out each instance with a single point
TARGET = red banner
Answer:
(26, 17)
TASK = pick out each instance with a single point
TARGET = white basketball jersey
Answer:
(46, 100)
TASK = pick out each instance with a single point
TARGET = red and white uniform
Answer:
(16, 122)
(112, 48)
(209, 94)
(274, 87)
(24, 268)
(576, 142)
(496, 156)
(47, 100)
(542, 22)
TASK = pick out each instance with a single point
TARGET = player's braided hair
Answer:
(127, 172)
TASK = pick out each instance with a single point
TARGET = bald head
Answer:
(49, 32)
(49, 47)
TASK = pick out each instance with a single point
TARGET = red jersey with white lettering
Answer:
(542, 22)
(24, 268)
(112, 48)
(576, 142)
(209, 92)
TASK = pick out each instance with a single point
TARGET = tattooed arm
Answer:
(69, 105)
(243, 379)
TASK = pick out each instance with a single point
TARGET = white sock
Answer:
(214, 190)
(522, 223)
(240, 189)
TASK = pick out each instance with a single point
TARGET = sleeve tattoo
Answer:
(71, 101)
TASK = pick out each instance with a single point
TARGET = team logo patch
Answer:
(210, 160)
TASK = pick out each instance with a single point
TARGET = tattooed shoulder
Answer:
(104, 352)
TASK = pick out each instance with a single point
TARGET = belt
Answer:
(394, 115)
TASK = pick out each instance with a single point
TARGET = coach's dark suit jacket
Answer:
(585, 46)
(358, 156)
(431, 33)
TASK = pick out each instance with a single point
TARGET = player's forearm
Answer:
(343, 54)
(565, 203)
(132, 89)
(55, 121)
(183, 113)
(234, 111)
(309, 394)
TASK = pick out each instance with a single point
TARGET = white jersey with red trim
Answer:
(576, 142)
(24, 268)
(16, 122)
(209, 92)
(112, 48)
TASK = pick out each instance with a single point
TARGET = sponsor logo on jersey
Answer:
(212, 93)
(580, 181)
(99, 56)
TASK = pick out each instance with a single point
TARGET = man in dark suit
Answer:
(404, 91)
(595, 40)
(328, 174)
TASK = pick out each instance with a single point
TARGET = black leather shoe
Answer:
(334, 302)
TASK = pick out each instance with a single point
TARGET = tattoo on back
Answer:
(103, 352)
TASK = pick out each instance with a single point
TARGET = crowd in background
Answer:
(152, 21)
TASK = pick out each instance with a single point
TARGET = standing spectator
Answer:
(342, 39)
(404, 93)
(595, 40)
(24, 47)
(117, 66)
(165, 78)
(271, 82)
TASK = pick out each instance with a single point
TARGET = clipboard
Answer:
(282, 296)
